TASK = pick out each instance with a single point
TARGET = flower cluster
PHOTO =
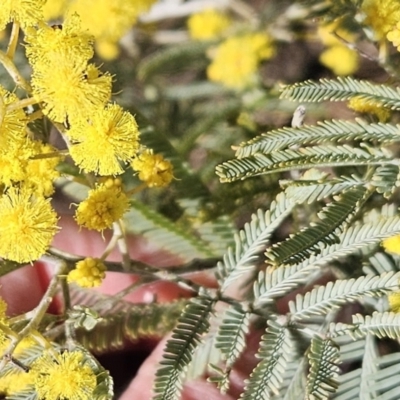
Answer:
(369, 107)
(208, 24)
(88, 273)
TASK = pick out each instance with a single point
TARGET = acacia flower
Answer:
(153, 169)
(381, 15)
(394, 301)
(369, 107)
(340, 59)
(68, 377)
(109, 20)
(88, 273)
(107, 137)
(27, 227)
(46, 45)
(394, 36)
(104, 205)
(67, 90)
(208, 24)
(392, 244)
(237, 59)
(25, 12)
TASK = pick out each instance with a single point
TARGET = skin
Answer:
(23, 289)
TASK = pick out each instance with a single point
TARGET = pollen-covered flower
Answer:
(68, 377)
(27, 227)
(105, 204)
(340, 59)
(237, 59)
(88, 273)
(41, 171)
(67, 90)
(109, 20)
(25, 12)
(208, 24)
(394, 36)
(153, 169)
(392, 244)
(103, 139)
(47, 45)
(381, 15)
(369, 107)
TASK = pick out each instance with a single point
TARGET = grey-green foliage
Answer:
(334, 259)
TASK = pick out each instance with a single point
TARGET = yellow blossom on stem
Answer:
(67, 90)
(28, 225)
(237, 59)
(381, 15)
(107, 137)
(326, 33)
(369, 107)
(14, 163)
(153, 169)
(394, 301)
(208, 24)
(46, 45)
(340, 59)
(68, 377)
(25, 12)
(392, 244)
(109, 20)
(88, 273)
(394, 36)
(105, 204)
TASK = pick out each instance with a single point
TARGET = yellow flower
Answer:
(208, 24)
(41, 172)
(54, 9)
(109, 20)
(394, 36)
(88, 273)
(99, 143)
(237, 59)
(105, 204)
(47, 45)
(67, 90)
(26, 12)
(392, 244)
(153, 169)
(394, 301)
(14, 162)
(369, 107)
(381, 15)
(68, 377)
(340, 59)
(326, 33)
(27, 227)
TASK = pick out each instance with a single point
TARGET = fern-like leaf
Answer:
(335, 131)
(309, 240)
(192, 324)
(307, 157)
(386, 324)
(274, 351)
(323, 299)
(342, 89)
(322, 378)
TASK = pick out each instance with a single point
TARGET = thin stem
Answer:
(137, 189)
(119, 231)
(35, 115)
(12, 44)
(53, 154)
(29, 101)
(14, 73)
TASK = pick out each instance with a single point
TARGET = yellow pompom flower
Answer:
(88, 273)
(104, 205)
(326, 33)
(394, 301)
(381, 15)
(67, 90)
(25, 12)
(109, 20)
(394, 36)
(340, 59)
(109, 136)
(208, 24)
(28, 225)
(237, 59)
(153, 169)
(68, 377)
(47, 45)
(369, 107)
(392, 244)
